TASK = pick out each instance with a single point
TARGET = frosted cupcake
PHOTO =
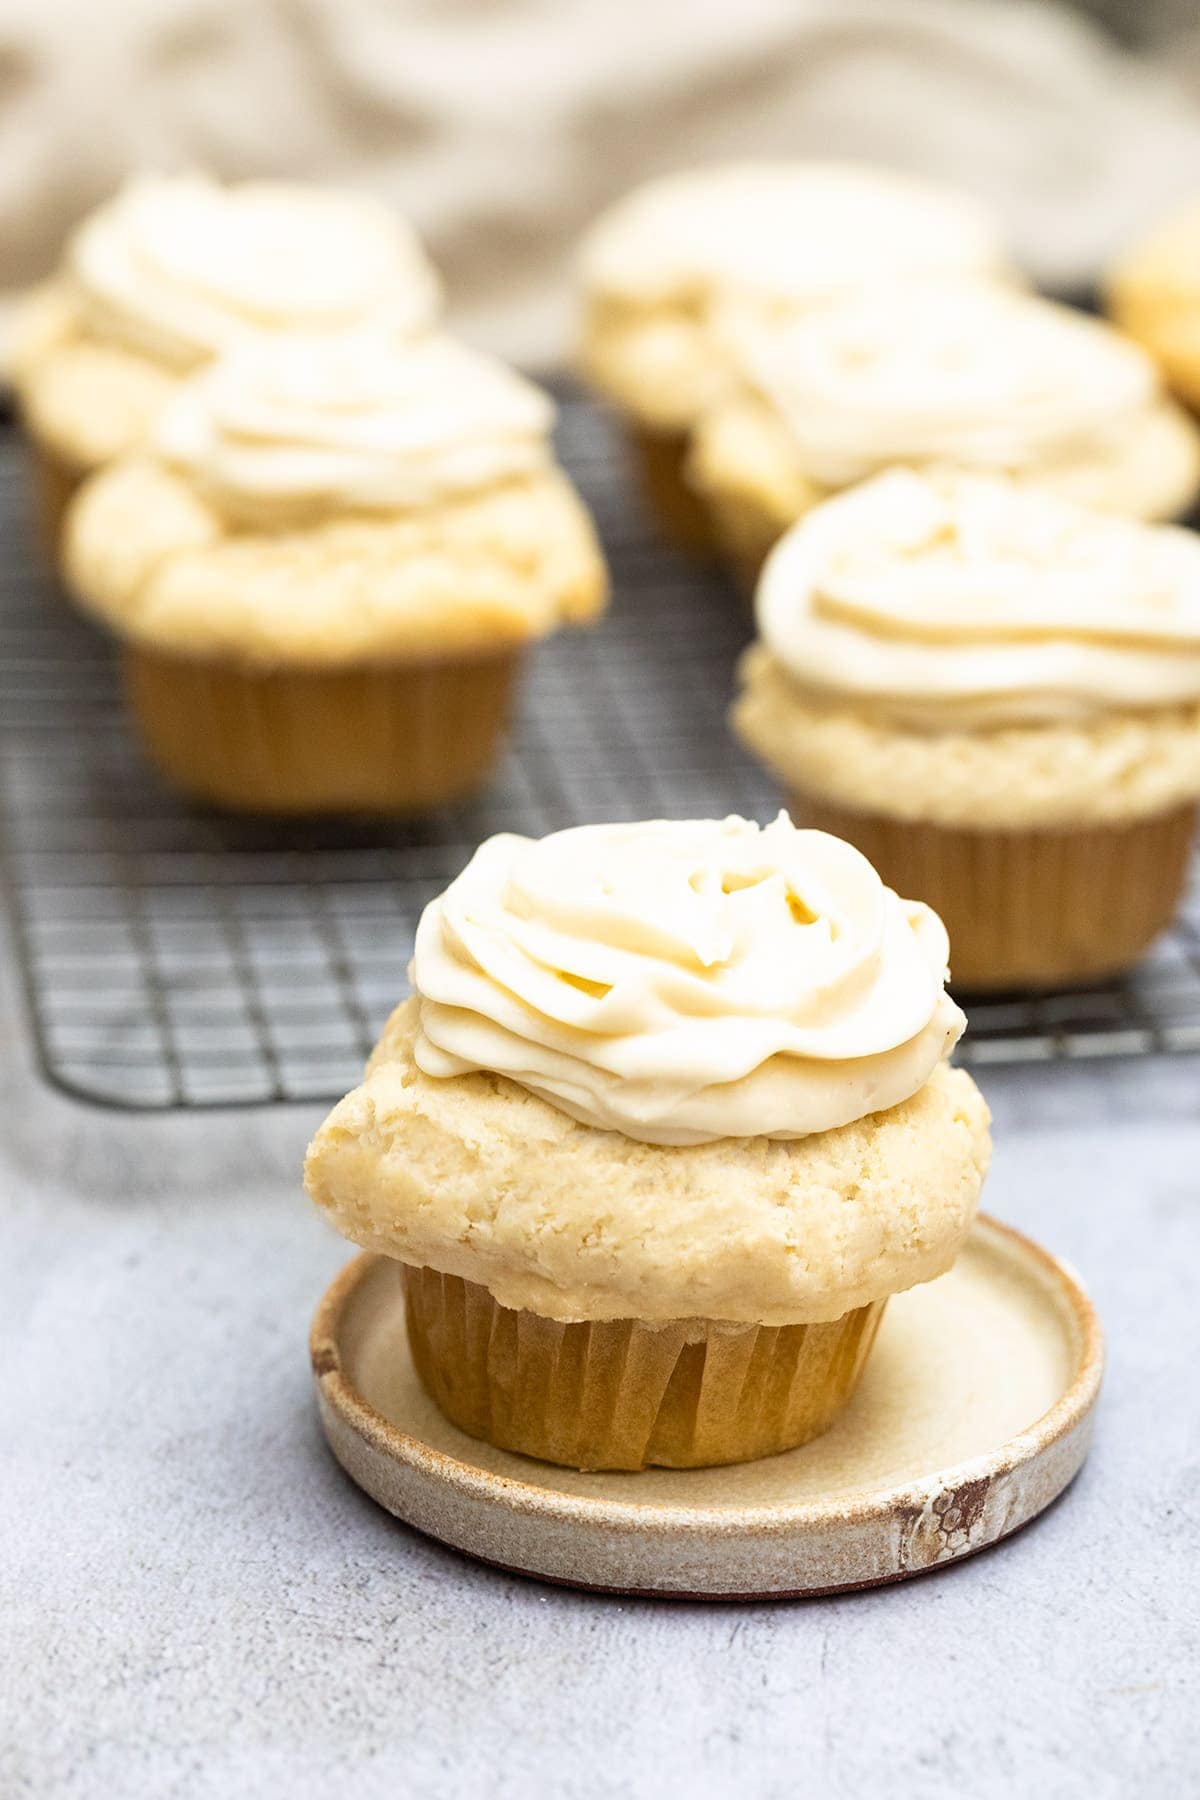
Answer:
(782, 237)
(665, 1122)
(171, 272)
(1153, 293)
(996, 695)
(971, 376)
(328, 571)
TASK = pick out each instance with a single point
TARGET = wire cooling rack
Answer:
(174, 957)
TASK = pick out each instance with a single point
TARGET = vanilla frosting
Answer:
(179, 268)
(362, 422)
(950, 601)
(681, 982)
(792, 231)
(967, 373)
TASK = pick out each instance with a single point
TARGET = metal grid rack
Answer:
(179, 958)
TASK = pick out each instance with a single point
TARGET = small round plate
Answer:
(974, 1413)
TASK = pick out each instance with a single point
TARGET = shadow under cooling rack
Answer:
(177, 958)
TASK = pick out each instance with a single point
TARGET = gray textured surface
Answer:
(194, 1601)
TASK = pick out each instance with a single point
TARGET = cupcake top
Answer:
(680, 982)
(1157, 279)
(178, 268)
(781, 237)
(666, 1070)
(1153, 293)
(174, 271)
(367, 422)
(1165, 262)
(800, 232)
(319, 500)
(967, 374)
(958, 602)
(973, 652)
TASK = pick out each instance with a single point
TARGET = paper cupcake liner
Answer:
(675, 508)
(744, 533)
(391, 738)
(621, 1394)
(54, 485)
(1030, 908)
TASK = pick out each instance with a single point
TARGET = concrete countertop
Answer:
(195, 1601)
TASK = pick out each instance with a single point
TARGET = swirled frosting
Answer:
(795, 231)
(952, 601)
(967, 374)
(682, 982)
(179, 268)
(361, 422)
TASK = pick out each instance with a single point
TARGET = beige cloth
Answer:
(503, 126)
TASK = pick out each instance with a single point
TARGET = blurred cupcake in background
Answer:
(174, 270)
(781, 238)
(968, 375)
(327, 569)
(1153, 293)
(665, 1123)
(995, 695)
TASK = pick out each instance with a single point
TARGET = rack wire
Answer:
(174, 957)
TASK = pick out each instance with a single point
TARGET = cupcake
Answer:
(327, 570)
(1153, 294)
(175, 270)
(995, 695)
(665, 1121)
(782, 237)
(968, 375)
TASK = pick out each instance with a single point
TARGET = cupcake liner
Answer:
(54, 485)
(1029, 908)
(744, 533)
(622, 1394)
(391, 738)
(677, 511)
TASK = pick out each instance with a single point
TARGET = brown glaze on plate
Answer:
(975, 1413)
